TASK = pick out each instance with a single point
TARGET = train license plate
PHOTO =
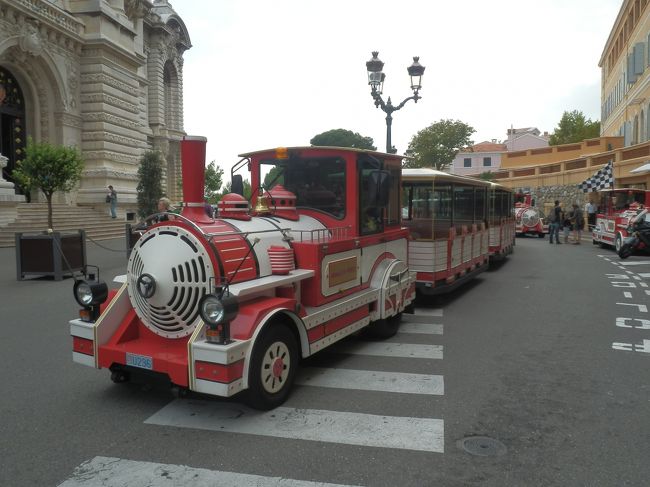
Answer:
(140, 361)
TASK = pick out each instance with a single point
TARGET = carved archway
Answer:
(12, 123)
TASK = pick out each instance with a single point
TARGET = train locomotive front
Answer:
(231, 304)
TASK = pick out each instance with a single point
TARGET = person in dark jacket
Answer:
(557, 216)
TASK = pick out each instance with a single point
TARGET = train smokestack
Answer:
(193, 171)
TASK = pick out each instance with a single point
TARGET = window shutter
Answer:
(639, 58)
(631, 77)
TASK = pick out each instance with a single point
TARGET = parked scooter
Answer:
(639, 236)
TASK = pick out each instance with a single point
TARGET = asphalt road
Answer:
(530, 355)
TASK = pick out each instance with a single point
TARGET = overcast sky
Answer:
(265, 74)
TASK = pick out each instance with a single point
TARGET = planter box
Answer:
(132, 236)
(53, 254)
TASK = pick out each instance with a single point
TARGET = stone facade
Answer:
(545, 196)
(103, 75)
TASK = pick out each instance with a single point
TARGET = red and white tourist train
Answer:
(231, 304)
(456, 224)
(614, 209)
(528, 218)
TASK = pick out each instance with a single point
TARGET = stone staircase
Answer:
(32, 217)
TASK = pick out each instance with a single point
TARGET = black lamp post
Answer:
(376, 81)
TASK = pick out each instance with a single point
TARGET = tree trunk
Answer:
(48, 196)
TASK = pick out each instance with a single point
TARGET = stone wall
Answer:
(545, 196)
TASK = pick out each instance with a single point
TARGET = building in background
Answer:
(625, 93)
(486, 156)
(105, 76)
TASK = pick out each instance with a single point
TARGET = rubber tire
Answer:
(541, 235)
(385, 328)
(618, 242)
(257, 396)
(625, 251)
(120, 376)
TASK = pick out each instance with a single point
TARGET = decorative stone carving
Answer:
(30, 39)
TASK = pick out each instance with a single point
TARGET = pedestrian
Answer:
(578, 222)
(556, 220)
(209, 210)
(590, 209)
(164, 207)
(111, 198)
(566, 228)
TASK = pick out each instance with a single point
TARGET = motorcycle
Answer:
(639, 236)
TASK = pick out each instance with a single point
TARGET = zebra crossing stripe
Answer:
(371, 380)
(428, 311)
(421, 328)
(390, 349)
(421, 434)
(116, 472)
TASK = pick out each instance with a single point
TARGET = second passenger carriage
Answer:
(456, 224)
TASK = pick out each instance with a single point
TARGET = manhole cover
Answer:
(482, 446)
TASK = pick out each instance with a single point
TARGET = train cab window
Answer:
(371, 209)
(318, 183)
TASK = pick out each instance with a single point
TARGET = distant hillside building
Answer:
(486, 156)
(525, 138)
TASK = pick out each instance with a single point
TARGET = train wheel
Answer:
(385, 328)
(120, 376)
(273, 368)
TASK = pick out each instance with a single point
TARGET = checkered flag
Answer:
(602, 179)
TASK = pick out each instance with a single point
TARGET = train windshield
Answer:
(318, 183)
(620, 200)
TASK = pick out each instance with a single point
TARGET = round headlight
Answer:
(90, 293)
(211, 309)
(83, 293)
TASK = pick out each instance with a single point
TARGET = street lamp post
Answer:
(376, 81)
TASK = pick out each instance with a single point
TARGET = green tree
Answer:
(486, 176)
(226, 189)
(213, 182)
(343, 138)
(574, 127)
(149, 187)
(49, 168)
(437, 145)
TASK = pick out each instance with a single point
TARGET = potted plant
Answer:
(49, 168)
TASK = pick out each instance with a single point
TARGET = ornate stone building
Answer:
(103, 75)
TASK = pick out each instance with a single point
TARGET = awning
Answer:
(644, 168)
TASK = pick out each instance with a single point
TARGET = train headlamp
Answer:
(90, 293)
(216, 309)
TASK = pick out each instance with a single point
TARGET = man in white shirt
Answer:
(590, 210)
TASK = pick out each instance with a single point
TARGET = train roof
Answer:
(323, 147)
(427, 174)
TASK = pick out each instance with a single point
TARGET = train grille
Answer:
(181, 270)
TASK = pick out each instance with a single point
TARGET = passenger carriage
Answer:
(231, 304)
(614, 209)
(501, 221)
(447, 219)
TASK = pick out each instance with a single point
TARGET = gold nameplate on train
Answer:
(341, 271)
